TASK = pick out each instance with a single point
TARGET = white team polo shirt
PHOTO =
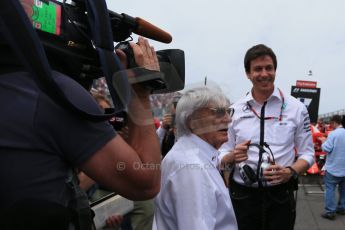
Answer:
(282, 136)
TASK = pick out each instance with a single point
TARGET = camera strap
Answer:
(101, 31)
(79, 203)
(20, 35)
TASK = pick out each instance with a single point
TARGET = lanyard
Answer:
(270, 117)
(262, 118)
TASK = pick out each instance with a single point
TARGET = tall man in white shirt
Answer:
(262, 182)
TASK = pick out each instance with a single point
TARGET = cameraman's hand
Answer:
(145, 57)
(144, 54)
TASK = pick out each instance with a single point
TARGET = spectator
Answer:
(329, 128)
(315, 135)
(334, 145)
(279, 123)
(321, 126)
(167, 131)
(193, 194)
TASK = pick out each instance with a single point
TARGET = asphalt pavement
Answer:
(310, 206)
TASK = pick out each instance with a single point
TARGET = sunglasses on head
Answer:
(220, 112)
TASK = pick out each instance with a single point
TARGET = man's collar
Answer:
(206, 149)
(276, 94)
(338, 126)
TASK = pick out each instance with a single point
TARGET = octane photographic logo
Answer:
(121, 166)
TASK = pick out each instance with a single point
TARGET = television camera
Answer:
(78, 40)
(65, 32)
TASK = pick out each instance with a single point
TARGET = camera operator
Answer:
(43, 140)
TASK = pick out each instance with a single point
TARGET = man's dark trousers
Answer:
(263, 208)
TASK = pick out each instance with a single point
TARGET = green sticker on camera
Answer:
(44, 16)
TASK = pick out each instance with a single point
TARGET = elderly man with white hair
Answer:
(193, 194)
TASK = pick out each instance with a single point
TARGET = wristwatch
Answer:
(294, 173)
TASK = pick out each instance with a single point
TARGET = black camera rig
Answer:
(65, 32)
(77, 39)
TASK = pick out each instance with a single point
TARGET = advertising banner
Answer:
(310, 97)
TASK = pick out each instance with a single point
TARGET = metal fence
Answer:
(327, 116)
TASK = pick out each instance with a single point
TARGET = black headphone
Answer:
(248, 175)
